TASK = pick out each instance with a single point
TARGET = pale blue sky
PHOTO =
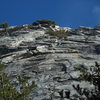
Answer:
(68, 13)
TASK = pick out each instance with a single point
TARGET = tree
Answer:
(9, 92)
(5, 26)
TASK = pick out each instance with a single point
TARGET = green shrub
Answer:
(92, 76)
(79, 68)
(1, 67)
(45, 22)
(59, 33)
(5, 26)
(8, 92)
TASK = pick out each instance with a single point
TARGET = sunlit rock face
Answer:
(49, 60)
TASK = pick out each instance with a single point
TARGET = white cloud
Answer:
(96, 12)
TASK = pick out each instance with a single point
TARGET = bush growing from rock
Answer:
(59, 33)
(93, 76)
(1, 66)
(5, 26)
(45, 23)
(9, 92)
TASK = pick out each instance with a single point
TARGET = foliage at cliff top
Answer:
(43, 21)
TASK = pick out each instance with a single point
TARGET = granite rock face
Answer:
(48, 60)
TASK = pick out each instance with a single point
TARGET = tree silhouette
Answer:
(5, 26)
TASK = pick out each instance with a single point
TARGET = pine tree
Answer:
(5, 26)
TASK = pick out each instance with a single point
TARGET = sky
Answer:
(66, 13)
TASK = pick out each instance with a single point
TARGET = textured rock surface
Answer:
(50, 61)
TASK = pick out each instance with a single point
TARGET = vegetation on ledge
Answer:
(58, 33)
